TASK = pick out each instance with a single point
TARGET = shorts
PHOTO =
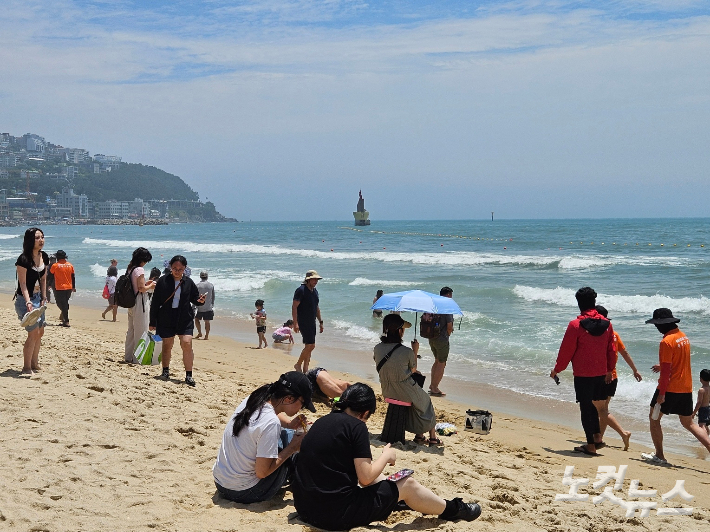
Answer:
(588, 389)
(364, 506)
(21, 309)
(208, 315)
(169, 330)
(312, 375)
(261, 329)
(611, 388)
(111, 299)
(279, 337)
(440, 347)
(680, 404)
(309, 335)
(704, 415)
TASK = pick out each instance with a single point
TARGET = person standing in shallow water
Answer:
(304, 311)
(440, 347)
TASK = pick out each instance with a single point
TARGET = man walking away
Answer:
(305, 311)
(440, 347)
(65, 284)
(589, 344)
(206, 311)
(674, 394)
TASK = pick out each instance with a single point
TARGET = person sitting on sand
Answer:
(254, 459)
(111, 278)
(605, 418)
(284, 333)
(325, 384)
(397, 382)
(337, 485)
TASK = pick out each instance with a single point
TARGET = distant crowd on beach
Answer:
(328, 464)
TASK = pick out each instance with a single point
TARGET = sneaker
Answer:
(468, 511)
(190, 381)
(651, 457)
(165, 375)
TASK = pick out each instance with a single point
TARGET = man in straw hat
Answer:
(304, 312)
(674, 393)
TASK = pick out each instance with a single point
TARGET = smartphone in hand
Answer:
(399, 475)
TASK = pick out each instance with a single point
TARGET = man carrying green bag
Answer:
(146, 352)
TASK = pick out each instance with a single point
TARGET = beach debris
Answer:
(445, 429)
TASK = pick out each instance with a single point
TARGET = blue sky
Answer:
(284, 109)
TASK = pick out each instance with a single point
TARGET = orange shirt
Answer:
(675, 350)
(618, 344)
(62, 272)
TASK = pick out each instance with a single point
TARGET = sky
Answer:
(284, 109)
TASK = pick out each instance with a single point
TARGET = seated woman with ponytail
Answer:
(254, 459)
(335, 457)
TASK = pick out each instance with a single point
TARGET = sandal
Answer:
(420, 439)
(584, 450)
(435, 442)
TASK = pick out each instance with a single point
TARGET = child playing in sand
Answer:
(702, 407)
(260, 317)
(283, 333)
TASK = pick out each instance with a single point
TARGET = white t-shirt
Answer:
(235, 468)
(135, 274)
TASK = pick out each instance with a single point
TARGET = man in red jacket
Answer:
(589, 344)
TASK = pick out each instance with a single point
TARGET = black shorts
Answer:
(588, 389)
(611, 388)
(312, 375)
(309, 336)
(261, 329)
(207, 315)
(680, 404)
(364, 506)
(171, 329)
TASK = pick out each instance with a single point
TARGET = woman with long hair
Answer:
(138, 314)
(254, 459)
(397, 381)
(31, 293)
(111, 278)
(335, 460)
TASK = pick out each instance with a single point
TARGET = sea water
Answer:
(514, 280)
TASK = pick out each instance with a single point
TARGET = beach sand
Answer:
(91, 443)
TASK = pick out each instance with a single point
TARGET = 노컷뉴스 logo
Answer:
(636, 499)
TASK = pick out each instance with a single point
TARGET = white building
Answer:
(111, 209)
(78, 204)
(75, 155)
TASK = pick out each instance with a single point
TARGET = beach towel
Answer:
(148, 350)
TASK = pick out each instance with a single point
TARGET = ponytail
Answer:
(359, 398)
(255, 404)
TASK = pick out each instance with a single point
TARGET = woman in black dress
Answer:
(171, 314)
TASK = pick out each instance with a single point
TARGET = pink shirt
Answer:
(135, 274)
(283, 331)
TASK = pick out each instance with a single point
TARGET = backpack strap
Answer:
(387, 357)
(171, 295)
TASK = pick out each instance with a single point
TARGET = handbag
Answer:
(419, 379)
(106, 294)
(147, 351)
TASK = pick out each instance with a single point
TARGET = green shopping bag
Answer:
(148, 350)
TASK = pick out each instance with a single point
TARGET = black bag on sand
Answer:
(125, 296)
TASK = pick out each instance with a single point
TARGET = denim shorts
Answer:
(21, 309)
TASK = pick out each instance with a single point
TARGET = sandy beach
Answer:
(91, 443)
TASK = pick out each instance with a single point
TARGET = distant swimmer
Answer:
(377, 313)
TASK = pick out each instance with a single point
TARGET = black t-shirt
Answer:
(325, 470)
(33, 276)
(308, 304)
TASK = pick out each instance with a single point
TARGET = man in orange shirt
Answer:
(675, 385)
(64, 285)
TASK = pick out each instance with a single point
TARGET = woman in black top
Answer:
(335, 457)
(171, 314)
(31, 293)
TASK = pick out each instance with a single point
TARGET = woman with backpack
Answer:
(137, 314)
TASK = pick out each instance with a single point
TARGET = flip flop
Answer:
(435, 442)
(584, 450)
(600, 445)
(436, 394)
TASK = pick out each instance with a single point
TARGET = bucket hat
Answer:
(661, 316)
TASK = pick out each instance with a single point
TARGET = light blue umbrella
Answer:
(417, 301)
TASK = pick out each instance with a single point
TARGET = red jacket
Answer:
(589, 344)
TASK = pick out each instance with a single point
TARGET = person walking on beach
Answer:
(589, 344)
(111, 278)
(171, 315)
(440, 347)
(64, 285)
(31, 294)
(304, 311)
(674, 394)
(702, 407)
(605, 418)
(138, 313)
(260, 317)
(206, 311)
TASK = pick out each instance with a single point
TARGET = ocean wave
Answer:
(617, 303)
(363, 281)
(249, 281)
(448, 258)
(357, 331)
(8, 237)
(98, 270)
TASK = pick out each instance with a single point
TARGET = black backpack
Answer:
(430, 325)
(125, 296)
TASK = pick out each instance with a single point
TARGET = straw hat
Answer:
(312, 274)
